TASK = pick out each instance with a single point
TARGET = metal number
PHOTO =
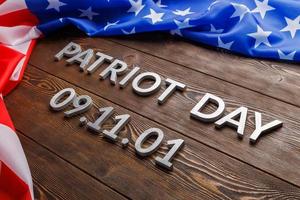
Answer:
(144, 136)
(113, 133)
(81, 104)
(105, 114)
(54, 102)
(175, 146)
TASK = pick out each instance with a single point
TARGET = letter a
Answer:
(230, 120)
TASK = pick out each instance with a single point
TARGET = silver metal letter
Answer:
(196, 111)
(100, 60)
(113, 133)
(230, 120)
(54, 105)
(144, 136)
(123, 83)
(146, 91)
(259, 129)
(172, 86)
(81, 104)
(105, 113)
(175, 146)
(70, 50)
(117, 67)
(82, 58)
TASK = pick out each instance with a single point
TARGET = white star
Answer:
(224, 45)
(136, 6)
(240, 10)
(129, 32)
(283, 56)
(183, 12)
(262, 7)
(181, 25)
(292, 26)
(184, 24)
(110, 24)
(260, 37)
(154, 16)
(87, 13)
(214, 30)
(55, 4)
(176, 31)
(158, 3)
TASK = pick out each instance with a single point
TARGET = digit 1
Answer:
(105, 113)
(166, 161)
(113, 133)
(144, 136)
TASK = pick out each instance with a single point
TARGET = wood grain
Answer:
(275, 79)
(276, 153)
(40, 193)
(200, 171)
(55, 178)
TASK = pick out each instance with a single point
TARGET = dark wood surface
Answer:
(67, 162)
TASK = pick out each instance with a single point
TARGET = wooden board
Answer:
(214, 164)
(274, 79)
(55, 178)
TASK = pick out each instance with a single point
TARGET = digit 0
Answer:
(54, 102)
(146, 135)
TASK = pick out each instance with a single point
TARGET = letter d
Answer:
(210, 117)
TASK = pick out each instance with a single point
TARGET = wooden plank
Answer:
(276, 153)
(53, 175)
(278, 80)
(199, 171)
(40, 193)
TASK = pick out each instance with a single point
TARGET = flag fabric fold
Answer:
(17, 33)
(256, 28)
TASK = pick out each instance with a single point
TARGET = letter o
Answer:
(146, 91)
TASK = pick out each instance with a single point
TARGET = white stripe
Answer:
(11, 6)
(12, 154)
(18, 34)
(16, 74)
(22, 48)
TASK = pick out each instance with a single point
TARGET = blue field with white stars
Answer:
(256, 28)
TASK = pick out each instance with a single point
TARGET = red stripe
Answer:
(10, 85)
(20, 17)
(1, 1)
(4, 116)
(8, 61)
(11, 186)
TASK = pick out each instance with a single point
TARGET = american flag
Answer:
(256, 28)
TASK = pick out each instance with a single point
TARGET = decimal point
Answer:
(83, 121)
(125, 142)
